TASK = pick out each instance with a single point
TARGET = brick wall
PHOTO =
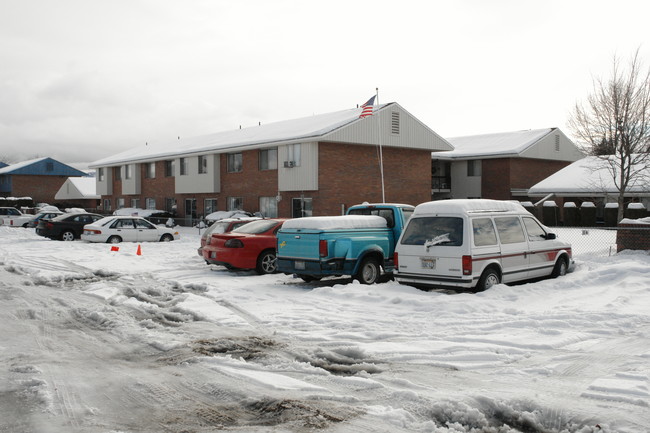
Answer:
(348, 175)
(41, 189)
(500, 175)
(633, 237)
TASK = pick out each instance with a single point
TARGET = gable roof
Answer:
(2, 164)
(587, 177)
(77, 188)
(334, 126)
(532, 143)
(38, 166)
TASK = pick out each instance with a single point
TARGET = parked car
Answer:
(115, 229)
(43, 215)
(10, 216)
(475, 244)
(66, 227)
(360, 244)
(222, 226)
(251, 246)
(155, 216)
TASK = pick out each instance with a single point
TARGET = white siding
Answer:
(554, 146)
(303, 178)
(105, 187)
(379, 129)
(131, 186)
(462, 185)
(193, 182)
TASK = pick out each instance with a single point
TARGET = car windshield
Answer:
(256, 227)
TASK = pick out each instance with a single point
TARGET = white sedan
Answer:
(115, 229)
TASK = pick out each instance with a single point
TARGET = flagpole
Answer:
(381, 153)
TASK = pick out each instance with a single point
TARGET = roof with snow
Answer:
(512, 144)
(75, 188)
(587, 177)
(41, 166)
(341, 126)
(460, 206)
(336, 222)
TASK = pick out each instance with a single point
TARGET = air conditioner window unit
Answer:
(289, 164)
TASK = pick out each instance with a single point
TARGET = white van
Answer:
(476, 244)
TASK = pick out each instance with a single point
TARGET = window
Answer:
(484, 233)
(117, 173)
(119, 203)
(203, 164)
(535, 231)
(135, 202)
(170, 205)
(434, 231)
(150, 202)
(269, 159)
(169, 168)
(100, 174)
(190, 209)
(209, 206)
(301, 207)
(128, 171)
(387, 214)
(235, 162)
(107, 204)
(235, 203)
(269, 207)
(293, 154)
(183, 164)
(474, 168)
(510, 230)
(150, 170)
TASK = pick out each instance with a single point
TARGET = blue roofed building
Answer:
(38, 178)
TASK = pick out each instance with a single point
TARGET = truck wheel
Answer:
(267, 263)
(308, 278)
(368, 271)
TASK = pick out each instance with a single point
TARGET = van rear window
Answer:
(442, 231)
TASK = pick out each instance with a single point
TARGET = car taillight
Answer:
(234, 243)
(49, 226)
(208, 240)
(93, 232)
(467, 265)
(396, 260)
(322, 248)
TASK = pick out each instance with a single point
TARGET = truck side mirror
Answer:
(550, 236)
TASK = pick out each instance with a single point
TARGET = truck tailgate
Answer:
(298, 244)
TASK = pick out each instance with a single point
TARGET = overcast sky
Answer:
(81, 80)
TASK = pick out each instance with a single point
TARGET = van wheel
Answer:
(560, 268)
(368, 271)
(489, 278)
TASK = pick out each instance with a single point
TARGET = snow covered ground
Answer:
(101, 341)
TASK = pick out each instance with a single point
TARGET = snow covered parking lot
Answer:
(101, 341)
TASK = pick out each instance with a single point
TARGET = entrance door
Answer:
(190, 210)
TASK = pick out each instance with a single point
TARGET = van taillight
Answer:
(322, 248)
(467, 265)
(395, 260)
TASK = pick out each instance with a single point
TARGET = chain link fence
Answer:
(604, 242)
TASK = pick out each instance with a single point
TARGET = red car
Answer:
(251, 246)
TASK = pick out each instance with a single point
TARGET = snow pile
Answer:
(336, 222)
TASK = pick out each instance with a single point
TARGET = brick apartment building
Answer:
(317, 165)
(500, 166)
(38, 178)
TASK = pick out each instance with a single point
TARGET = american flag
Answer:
(367, 107)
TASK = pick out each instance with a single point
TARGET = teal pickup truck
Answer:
(360, 243)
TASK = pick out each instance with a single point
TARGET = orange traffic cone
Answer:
(114, 248)
(139, 252)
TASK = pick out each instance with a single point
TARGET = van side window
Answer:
(442, 231)
(484, 233)
(535, 231)
(510, 230)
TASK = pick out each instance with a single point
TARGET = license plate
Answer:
(299, 264)
(213, 254)
(428, 262)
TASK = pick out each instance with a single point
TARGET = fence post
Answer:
(588, 214)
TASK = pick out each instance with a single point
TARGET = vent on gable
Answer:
(394, 122)
(557, 143)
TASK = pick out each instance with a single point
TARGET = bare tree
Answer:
(614, 124)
